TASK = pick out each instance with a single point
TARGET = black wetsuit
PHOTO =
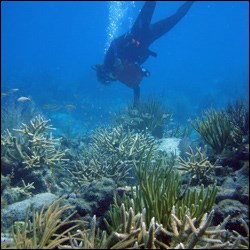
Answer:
(134, 46)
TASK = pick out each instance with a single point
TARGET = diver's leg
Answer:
(144, 18)
(160, 28)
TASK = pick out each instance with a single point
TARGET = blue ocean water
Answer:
(47, 49)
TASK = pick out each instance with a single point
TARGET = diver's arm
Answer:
(136, 96)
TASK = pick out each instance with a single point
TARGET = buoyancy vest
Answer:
(131, 74)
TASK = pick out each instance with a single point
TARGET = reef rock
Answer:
(17, 210)
(99, 194)
(235, 186)
(236, 210)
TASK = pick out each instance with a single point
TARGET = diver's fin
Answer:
(152, 53)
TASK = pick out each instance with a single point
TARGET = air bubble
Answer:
(118, 15)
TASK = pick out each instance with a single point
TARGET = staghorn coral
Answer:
(135, 233)
(132, 233)
(87, 170)
(31, 153)
(215, 128)
(121, 141)
(149, 116)
(24, 192)
(33, 146)
(198, 165)
(188, 234)
(110, 154)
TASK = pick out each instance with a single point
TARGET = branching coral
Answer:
(100, 166)
(159, 188)
(14, 113)
(121, 141)
(239, 116)
(198, 165)
(111, 154)
(149, 116)
(215, 128)
(133, 232)
(32, 153)
(33, 146)
(25, 190)
(188, 225)
(181, 233)
(186, 233)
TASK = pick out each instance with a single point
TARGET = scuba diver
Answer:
(127, 52)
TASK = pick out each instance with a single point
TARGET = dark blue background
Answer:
(48, 48)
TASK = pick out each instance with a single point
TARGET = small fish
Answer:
(55, 108)
(70, 106)
(13, 90)
(23, 99)
(51, 107)
(46, 106)
(3, 94)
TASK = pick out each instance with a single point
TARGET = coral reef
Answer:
(239, 116)
(197, 165)
(199, 200)
(48, 230)
(134, 232)
(14, 113)
(110, 154)
(233, 198)
(99, 195)
(14, 194)
(177, 130)
(34, 147)
(31, 153)
(17, 210)
(149, 116)
(215, 128)
(41, 232)
(159, 189)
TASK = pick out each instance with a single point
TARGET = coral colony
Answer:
(123, 187)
